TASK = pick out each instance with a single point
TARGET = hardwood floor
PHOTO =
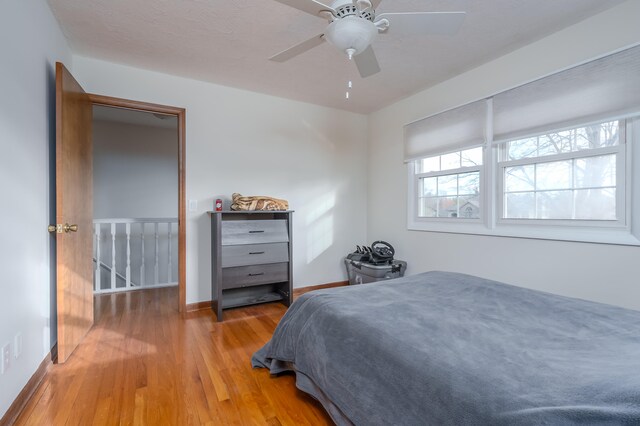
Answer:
(142, 363)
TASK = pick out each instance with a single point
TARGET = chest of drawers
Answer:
(250, 258)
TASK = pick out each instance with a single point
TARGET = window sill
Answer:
(575, 234)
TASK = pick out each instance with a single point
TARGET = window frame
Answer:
(448, 172)
(446, 224)
(621, 232)
(619, 150)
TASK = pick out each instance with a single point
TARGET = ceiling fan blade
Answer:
(291, 52)
(424, 23)
(367, 63)
(375, 4)
(312, 7)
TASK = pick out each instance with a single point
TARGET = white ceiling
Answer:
(229, 42)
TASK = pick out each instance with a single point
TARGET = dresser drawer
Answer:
(254, 232)
(245, 276)
(254, 254)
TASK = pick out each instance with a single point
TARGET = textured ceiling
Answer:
(229, 42)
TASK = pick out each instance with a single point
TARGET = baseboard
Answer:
(198, 306)
(201, 306)
(302, 290)
(26, 393)
(54, 353)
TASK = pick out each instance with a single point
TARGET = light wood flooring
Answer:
(142, 363)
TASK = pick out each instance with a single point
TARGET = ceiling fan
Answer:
(354, 25)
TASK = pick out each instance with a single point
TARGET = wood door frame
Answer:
(180, 113)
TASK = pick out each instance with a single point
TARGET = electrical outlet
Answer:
(5, 358)
(17, 346)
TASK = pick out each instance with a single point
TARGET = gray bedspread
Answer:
(450, 349)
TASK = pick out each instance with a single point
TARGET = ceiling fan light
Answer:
(351, 32)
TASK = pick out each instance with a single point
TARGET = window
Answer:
(575, 174)
(573, 184)
(448, 185)
(555, 158)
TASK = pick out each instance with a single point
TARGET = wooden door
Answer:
(74, 206)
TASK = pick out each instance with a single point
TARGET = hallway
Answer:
(141, 363)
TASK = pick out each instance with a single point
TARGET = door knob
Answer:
(72, 228)
(59, 228)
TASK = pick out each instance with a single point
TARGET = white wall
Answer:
(135, 171)
(31, 43)
(239, 141)
(604, 273)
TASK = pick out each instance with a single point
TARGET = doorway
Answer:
(73, 228)
(135, 200)
(146, 250)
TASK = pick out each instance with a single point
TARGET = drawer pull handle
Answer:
(255, 275)
(255, 232)
(256, 252)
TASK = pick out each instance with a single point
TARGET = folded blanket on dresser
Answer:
(451, 349)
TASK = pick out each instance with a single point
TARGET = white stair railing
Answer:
(123, 256)
(108, 269)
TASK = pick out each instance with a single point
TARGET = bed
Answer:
(443, 348)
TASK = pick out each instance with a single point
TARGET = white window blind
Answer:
(605, 88)
(449, 131)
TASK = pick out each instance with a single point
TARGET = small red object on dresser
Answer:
(218, 205)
